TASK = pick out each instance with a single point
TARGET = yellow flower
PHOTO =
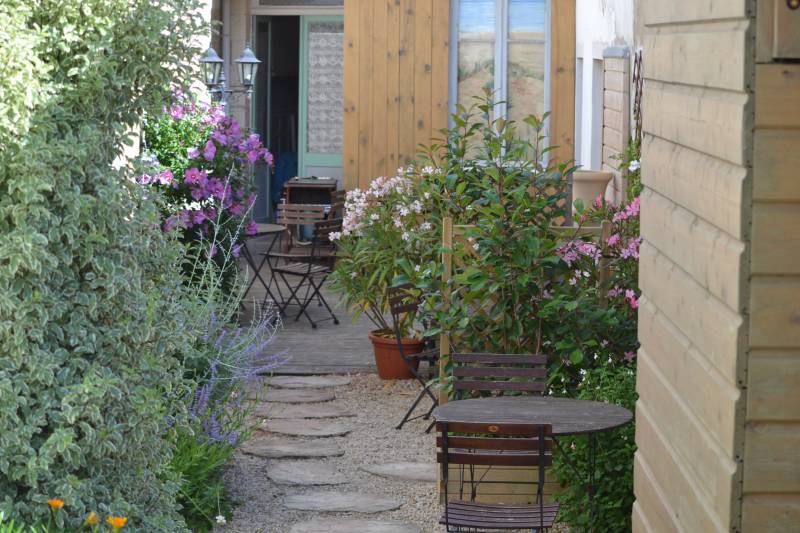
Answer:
(92, 519)
(117, 522)
(55, 503)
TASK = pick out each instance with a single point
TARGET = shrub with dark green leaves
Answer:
(90, 287)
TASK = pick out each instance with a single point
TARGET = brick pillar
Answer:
(616, 114)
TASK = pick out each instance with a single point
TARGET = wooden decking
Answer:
(328, 349)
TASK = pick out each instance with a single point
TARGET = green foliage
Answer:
(200, 464)
(613, 383)
(91, 323)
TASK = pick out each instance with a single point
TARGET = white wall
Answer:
(599, 24)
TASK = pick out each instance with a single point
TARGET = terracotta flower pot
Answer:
(387, 355)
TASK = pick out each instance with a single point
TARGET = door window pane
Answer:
(476, 41)
(526, 60)
(324, 91)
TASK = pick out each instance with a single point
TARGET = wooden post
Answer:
(444, 338)
(604, 274)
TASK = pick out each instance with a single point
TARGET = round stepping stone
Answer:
(298, 395)
(308, 382)
(297, 411)
(307, 428)
(351, 526)
(331, 501)
(304, 473)
(405, 471)
(277, 448)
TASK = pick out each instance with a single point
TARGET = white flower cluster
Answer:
(361, 205)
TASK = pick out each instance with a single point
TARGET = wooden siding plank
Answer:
(677, 11)
(708, 187)
(392, 85)
(776, 239)
(406, 100)
(614, 100)
(775, 312)
(379, 90)
(423, 33)
(773, 386)
(706, 467)
(776, 165)
(693, 57)
(778, 96)
(365, 87)
(711, 398)
(772, 456)
(440, 61)
(613, 119)
(613, 139)
(687, 508)
(350, 94)
(771, 512)
(711, 326)
(713, 259)
(650, 512)
(562, 80)
(705, 120)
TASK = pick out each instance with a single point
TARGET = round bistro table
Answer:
(566, 416)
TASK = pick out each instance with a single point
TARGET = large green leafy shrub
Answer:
(90, 310)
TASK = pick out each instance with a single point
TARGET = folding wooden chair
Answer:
(497, 444)
(294, 216)
(402, 300)
(311, 270)
(486, 374)
(337, 204)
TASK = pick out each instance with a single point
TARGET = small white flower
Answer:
(425, 226)
(335, 235)
(634, 165)
(426, 195)
(353, 275)
(406, 236)
(416, 268)
(404, 211)
(221, 520)
(374, 216)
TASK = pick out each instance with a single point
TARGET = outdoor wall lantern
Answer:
(213, 68)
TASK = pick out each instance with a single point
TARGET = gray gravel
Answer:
(379, 406)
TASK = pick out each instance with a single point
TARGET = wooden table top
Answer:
(567, 416)
(267, 229)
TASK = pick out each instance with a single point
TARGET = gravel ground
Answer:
(379, 406)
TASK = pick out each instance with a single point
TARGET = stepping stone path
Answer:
(405, 471)
(299, 411)
(298, 396)
(294, 406)
(308, 382)
(307, 428)
(277, 448)
(353, 526)
(331, 501)
(304, 473)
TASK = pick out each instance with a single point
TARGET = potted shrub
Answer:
(384, 232)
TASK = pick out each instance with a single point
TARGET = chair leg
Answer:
(322, 300)
(411, 409)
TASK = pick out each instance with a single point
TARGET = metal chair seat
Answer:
(482, 516)
(302, 268)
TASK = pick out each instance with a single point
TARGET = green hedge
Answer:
(90, 314)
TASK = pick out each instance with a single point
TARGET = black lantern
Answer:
(212, 66)
(248, 65)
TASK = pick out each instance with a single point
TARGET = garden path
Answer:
(328, 349)
(336, 465)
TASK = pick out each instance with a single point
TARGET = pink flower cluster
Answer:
(573, 250)
(629, 211)
(385, 197)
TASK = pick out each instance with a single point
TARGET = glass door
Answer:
(320, 105)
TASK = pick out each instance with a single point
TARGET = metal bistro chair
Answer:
(337, 204)
(294, 216)
(312, 269)
(498, 374)
(496, 445)
(401, 301)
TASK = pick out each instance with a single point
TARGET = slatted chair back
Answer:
(402, 301)
(499, 373)
(299, 214)
(322, 233)
(337, 204)
(494, 444)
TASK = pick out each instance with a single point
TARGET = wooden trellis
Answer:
(455, 235)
